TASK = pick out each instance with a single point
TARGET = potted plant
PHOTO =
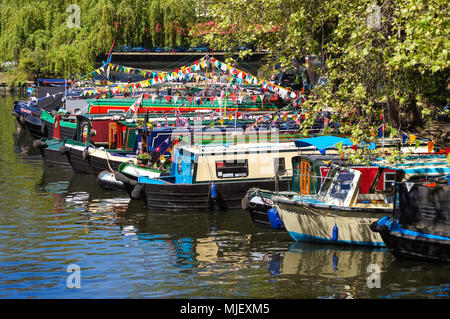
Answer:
(143, 158)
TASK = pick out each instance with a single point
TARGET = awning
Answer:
(323, 142)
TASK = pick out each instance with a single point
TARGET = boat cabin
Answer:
(223, 163)
(111, 132)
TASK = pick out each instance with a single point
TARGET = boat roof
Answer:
(241, 148)
(425, 165)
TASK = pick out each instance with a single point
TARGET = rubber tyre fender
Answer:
(39, 144)
(63, 149)
(137, 192)
(85, 154)
(124, 179)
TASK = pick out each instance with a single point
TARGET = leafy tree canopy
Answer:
(387, 62)
(37, 36)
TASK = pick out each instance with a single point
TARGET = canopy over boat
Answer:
(322, 142)
(419, 166)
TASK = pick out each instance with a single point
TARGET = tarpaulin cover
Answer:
(425, 208)
(51, 102)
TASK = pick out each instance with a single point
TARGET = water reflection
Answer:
(51, 217)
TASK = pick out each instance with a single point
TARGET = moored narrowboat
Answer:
(207, 177)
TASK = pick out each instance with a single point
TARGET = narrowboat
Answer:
(101, 143)
(207, 177)
(419, 229)
(68, 127)
(170, 103)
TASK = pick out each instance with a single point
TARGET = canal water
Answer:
(55, 224)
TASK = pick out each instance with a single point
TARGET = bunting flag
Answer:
(354, 147)
(404, 137)
(185, 72)
(430, 146)
(381, 131)
(412, 138)
(417, 144)
(323, 151)
(136, 105)
(212, 100)
(168, 98)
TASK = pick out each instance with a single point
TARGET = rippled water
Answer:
(51, 218)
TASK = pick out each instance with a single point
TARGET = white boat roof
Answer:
(242, 147)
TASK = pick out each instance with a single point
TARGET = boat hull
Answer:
(404, 247)
(197, 197)
(107, 180)
(102, 161)
(34, 125)
(258, 203)
(75, 157)
(408, 244)
(53, 156)
(307, 223)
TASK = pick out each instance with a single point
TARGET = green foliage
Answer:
(393, 70)
(35, 33)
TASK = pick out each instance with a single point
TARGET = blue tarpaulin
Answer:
(323, 142)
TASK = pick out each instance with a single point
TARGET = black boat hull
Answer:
(259, 214)
(99, 164)
(34, 125)
(197, 197)
(418, 248)
(54, 157)
(79, 163)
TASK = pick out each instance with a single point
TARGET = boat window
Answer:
(279, 165)
(389, 179)
(232, 169)
(328, 182)
(342, 185)
(179, 165)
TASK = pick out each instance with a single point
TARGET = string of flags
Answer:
(187, 72)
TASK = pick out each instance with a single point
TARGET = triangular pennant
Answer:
(412, 138)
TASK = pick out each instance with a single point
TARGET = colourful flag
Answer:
(412, 138)
(430, 146)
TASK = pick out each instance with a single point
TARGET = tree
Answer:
(387, 63)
